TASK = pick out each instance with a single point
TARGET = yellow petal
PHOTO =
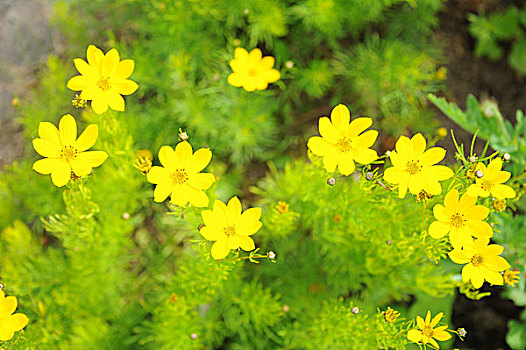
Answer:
(115, 101)
(439, 172)
(459, 256)
(346, 163)
(214, 218)
(404, 147)
(95, 56)
(327, 130)
(80, 167)
(235, 79)
(211, 233)
(477, 279)
(123, 86)
(451, 200)
(180, 195)
(434, 343)
(109, 63)
(441, 335)
(440, 213)
(100, 104)
(158, 174)
(267, 62)
(261, 84)
(61, 173)
(476, 190)
(248, 223)
(436, 319)
(197, 197)
(183, 153)
(439, 229)
(254, 57)
(272, 75)
(497, 263)
(6, 333)
(67, 128)
(16, 322)
(45, 166)
(414, 335)
(220, 249)
(249, 86)
(233, 211)
(330, 161)
(461, 237)
(417, 183)
(93, 158)
(494, 168)
(365, 140)
(467, 272)
(46, 148)
(201, 181)
(246, 243)
(365, 155)
(492, 249)
(466, 203)
(493, 277)
(479, 228)
(319, 146)
(358, 125)
(49, 132)
(162, 191)
(428, 318)
(80, 82)
(340, 117)
(7, 306)
(199, 160)
(403, 185)
(87, 139)
(241, 54)
(84, 68)
(91, 93)
(221, 211)
(502, 191)
(124, 69)
(501, 177)
(167, 158)
(420, 322)
(419, 144)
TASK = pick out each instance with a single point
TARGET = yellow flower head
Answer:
(426, 333)
(414, 167)
(180, 176)
(65, 153)
(251, 71)
(461, 219)
(282, 207)
(103, 79)
(343, 142)
(9, 322)
(482, 262)
(511, 277)
(492, 181)
(229, 227)
(390, 315)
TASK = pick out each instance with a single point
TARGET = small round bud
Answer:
(246, 11)
(236, 42)
(489, 112)
(1, 286)
(183, 136)
(271, 255)
(369, 176)
(15, 102)
(331, 181)
(462, 332)
(289, 64)
(479, 173)
(388, 242)
(355, 310)
(216, 77)
(125, 216)
(492, 224)
(193, 336)
(442, 132)
(506, 156)
(388, 153)
(472, 159)
(285, 308)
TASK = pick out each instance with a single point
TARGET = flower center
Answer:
(427, 331)
(179, 176)
(103, 84)
(457, 220)
(477, 259)
(486, 185)
(344, 144)
(230, 231)
(413, 167)
(252, 73)
(68, 153)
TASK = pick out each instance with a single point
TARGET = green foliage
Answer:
(490, 31)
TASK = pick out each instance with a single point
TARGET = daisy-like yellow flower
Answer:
(492, 181)
(511, 277)
(66, 154)
(414, 168)
(343, 142)
(103, 79)
(482, 262)
(180, 176)
(229, 227)
(251, 70)
(9, 322)
(461, 219)
(427, 333)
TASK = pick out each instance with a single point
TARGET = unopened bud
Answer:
(479, 173)
(355, 310)
(125, 216)
(506, 156)
(472, 159)
(388, 242)
(369, 176)
(289, 64)
(331, 181)
(193, 336)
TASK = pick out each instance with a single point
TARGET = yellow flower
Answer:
(390, 315)
(426, 331)
(482, 262)
(342, 142)
(511, 277)
(65, 153)
(180, 176)
(492, 181)
(9, 322)
(461, 219)
(282, 207)
(413, 167)
(251, 71)
(230, 228)
(103, 79)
